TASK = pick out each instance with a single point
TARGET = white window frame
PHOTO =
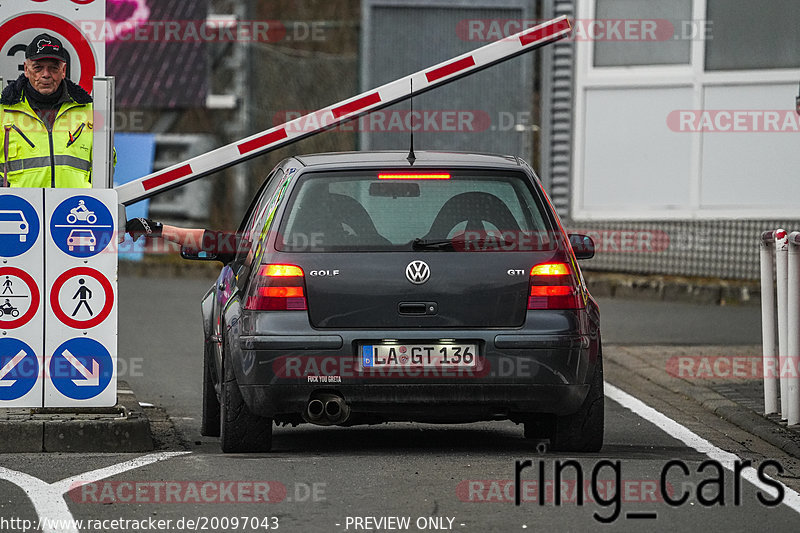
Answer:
(692, 76)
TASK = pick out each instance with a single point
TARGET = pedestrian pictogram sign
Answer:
(81, 369)
(19, 373)
(82, 298)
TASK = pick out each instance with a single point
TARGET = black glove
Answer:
(143, 226)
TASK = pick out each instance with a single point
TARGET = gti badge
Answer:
(418, 272)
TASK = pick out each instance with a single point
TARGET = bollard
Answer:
(793, 328)
(770, 362)
(781, 279)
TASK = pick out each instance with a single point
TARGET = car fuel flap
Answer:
(385, 289)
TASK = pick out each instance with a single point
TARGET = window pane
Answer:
(355, 211)
(638, 47)
(753, 35)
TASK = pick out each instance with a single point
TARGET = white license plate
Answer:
(419, 355)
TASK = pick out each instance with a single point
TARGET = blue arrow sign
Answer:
(19, 369)
(19, 225)
(82, 226)
(81, 368)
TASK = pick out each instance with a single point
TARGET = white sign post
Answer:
(21, 295)
(81, 295)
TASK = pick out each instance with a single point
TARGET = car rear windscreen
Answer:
(425, 209)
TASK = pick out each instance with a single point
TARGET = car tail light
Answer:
(413, 176)
(278, 288)
(554, 286)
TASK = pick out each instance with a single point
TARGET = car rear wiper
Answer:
(431, 244)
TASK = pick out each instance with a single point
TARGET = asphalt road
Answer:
(456, 477)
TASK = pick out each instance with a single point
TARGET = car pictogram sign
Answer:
(82, 226)
(19, 225)
(82, 297)
(81, 368)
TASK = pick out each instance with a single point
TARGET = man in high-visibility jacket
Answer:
(47, 123)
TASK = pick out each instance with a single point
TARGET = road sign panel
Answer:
(21, 309)
(19, 225)
(81, 293)
(82, 297)
(82, 226)
(19, 371)
(81, 368)
(19, 298)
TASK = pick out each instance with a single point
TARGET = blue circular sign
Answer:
(82, 226)
(19, 225)
(19, 367)
(81, 368)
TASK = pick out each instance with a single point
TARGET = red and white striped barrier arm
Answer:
(352, 108)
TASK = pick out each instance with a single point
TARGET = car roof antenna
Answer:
(411, 157)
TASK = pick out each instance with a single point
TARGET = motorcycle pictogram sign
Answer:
(82, 226)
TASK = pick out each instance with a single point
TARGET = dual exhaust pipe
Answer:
(327, 409)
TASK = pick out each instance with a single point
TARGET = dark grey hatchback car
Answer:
(367, 289)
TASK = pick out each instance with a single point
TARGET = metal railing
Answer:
(781, 252)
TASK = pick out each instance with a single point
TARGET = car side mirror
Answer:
(197, 255)
(582, 245)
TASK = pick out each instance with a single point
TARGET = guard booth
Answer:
(58, 247)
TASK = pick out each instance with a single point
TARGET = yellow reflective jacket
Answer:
(40, 158)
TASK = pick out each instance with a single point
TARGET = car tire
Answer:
(240, 430)
(210, 422)
(583, 430)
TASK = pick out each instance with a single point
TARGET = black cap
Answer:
(45, 46)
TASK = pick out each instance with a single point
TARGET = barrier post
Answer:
(793, 328)
(781, 279)
(770, 362)
(103, 149)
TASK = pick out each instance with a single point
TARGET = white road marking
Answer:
(695, 441)
(48, 498)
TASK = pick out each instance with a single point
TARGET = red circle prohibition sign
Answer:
(61, 26)
(68, 320)
(29, 281)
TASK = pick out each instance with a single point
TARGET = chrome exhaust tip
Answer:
(315, 410)
(336, 410)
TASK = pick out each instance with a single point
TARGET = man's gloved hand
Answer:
(143, 226)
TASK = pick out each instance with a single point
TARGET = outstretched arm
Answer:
(184, 236)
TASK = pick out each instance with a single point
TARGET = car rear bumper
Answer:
(542, 367)
(422, 402)
(515, 374)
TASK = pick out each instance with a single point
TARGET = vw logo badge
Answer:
(418, 272)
